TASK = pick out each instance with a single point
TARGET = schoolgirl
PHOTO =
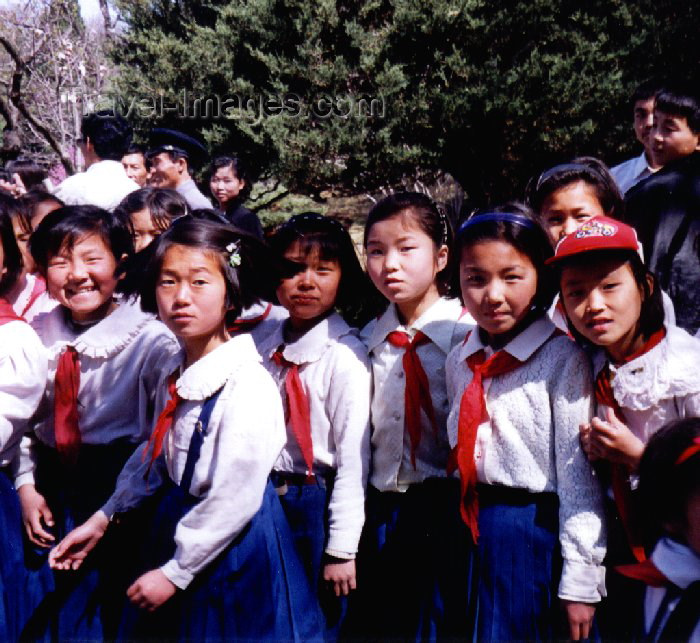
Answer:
(221, 562)
(567, 196)
(322, 371)
(149, 212)
(412, 553)
(519, 390)
(105, 357)
(23, 364)
(669, 489)
(645, 369)
(28, 295)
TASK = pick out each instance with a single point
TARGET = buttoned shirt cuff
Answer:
(178, 576)
(24, 478)
(582, 583)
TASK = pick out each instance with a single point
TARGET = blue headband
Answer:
(495, 217)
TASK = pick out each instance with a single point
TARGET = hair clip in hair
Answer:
(234, 259)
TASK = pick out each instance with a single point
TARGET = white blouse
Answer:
(334, 371)
(120, 364)
(530, 440)
(23, 364)
(244, 438)
(445, 324)
(659, 386)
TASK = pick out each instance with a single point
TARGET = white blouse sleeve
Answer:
(348, 411)
(248, 430)
(23, 372)
(581, 527)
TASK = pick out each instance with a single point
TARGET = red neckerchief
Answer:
(621, 490)
(417, 390)
(38, 290)
(298, 410)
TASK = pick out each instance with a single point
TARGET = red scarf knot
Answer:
(298, 410)
(417, 391)
(66, 387)
(472, 409)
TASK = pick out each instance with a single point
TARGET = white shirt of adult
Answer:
(628, 173)
(103, 184)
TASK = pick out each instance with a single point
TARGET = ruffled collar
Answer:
(208, 374)
(522, 346)
(312, 345)
(106, 338)
(668, 370)
(438, 323)
(679, 563)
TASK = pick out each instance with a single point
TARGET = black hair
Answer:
(240, 170)
(646, 90)
(317, 233)
(588, 169)
(665, 484)
(680, 99)
(530, 240)
(135, 148)
(431, 219)
(32, 198)
(163, 204)
(16, 210)
(651, 315)
(63, 228)
(32, 175)
(12, 256)
(109, 133)
(254, 278)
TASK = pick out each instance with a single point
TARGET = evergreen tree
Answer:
(490, 92)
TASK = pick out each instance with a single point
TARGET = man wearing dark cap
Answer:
(171, 156)
(105, 136)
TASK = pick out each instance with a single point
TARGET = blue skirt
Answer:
(256, 589)
(87, 604)
(414, 573)
(305, 505)
(21, 589)
(517, 565)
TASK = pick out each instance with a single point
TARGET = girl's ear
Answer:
(650, 283)
(241, 184)
(442, 255)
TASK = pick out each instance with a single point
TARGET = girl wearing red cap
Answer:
(645, 370)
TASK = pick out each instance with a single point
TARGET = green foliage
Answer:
(491, 92)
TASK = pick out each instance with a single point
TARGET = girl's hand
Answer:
(580, 616)
(584, 431)
(36, 515)
(151, 590)
(74, 548)
(341, 575)
(612, 440)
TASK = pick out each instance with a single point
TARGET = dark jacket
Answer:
(244, 219)
(665, 211)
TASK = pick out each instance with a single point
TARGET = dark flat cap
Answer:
(170, 140)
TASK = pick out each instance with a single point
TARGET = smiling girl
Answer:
(322, 371)
(519, 390)
(104, 362)
(219, 562)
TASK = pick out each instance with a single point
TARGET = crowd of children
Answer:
(491, 433)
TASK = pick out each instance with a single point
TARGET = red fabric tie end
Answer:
(66, 387)
(417, 392)
(298, 410)
(164, 422)
(472, 409)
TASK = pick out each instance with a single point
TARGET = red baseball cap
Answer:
(599, 233)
